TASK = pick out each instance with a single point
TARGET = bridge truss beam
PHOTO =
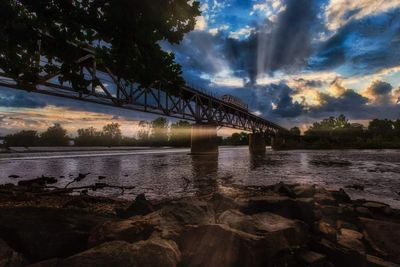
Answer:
(180, 102)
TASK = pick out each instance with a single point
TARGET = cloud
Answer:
(201, 23)
(341, 12)
(20, 100)
(379, 93)
(361, 47)
(282, 45)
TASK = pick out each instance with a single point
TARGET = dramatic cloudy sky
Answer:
(292, 61)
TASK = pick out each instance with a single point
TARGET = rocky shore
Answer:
(279, 225)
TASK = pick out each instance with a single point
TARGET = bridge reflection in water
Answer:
(205, 173)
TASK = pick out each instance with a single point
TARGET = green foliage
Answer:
(126, 35)
(237, 139)
(339, 133)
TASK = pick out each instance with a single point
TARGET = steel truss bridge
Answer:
(181, 102)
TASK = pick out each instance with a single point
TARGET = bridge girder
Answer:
(180, 102)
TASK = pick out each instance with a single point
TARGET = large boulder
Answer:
(131, 230)
(285, 233)
(384, 237)
(150, 253)
(44, 233)
(141, 206)
(9, 257)
(218, 245)
(240, 240)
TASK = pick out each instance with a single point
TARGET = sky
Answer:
(292, 61)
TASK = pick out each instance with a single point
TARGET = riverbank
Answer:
(279, 225)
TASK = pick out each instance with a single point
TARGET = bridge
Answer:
(182, 102)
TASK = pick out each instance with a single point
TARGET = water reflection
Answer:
(205, 173)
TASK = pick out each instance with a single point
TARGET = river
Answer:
(169, 173)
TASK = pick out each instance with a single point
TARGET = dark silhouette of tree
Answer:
(22, 139)
(125, 35)
(384, 128)
(112, 134)
(54, 136)
(180, 134)
(237, 139)
(89, 137)
(295, 131)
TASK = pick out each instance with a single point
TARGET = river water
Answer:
(168, 173)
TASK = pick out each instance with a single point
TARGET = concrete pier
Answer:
(257, 143)
(204, 139)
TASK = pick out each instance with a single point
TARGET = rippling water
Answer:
(173, 172)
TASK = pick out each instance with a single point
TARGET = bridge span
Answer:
(182, 102)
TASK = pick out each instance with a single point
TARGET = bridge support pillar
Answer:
(204, 139)
(257, 143)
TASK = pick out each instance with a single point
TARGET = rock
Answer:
(10, 258)
(351, 240)
(44, 233)
(101, 177)
(132, 230)
(363, 211)
(312, 259)
(339, 255)
(141, 206)
(221, 203)
(377, 207)
(304, 191)
(373, 261)
(184, 212)
(325, 199)
(149, 253)
(304, 209)
(40, 181)
(46, 263)
(13, 176)
(284, 189)
(219, 245)
(285, 233)
(383, 236)
(341, 196)
(275, 204)
(327, 231)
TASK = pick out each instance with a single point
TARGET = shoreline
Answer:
(277, 225)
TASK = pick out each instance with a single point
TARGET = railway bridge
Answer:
(182, 102)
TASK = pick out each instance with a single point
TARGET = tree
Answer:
(383, 128)
(22, 138)
(295, 131)
(180, 134)
(89, 137)
(112, 134)
(159, 132)
(54, 136)
(144, 132)
(125, 34)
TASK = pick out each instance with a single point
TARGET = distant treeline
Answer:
(155, 133)
(338, 132)
(329, 133)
